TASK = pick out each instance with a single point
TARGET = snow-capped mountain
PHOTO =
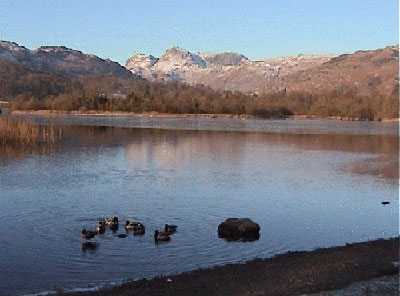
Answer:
(365, 72)
(231, 71)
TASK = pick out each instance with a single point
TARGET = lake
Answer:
(308, 184)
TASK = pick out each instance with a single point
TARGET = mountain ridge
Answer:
(359, 85)
(181, 65)
(364, 72)
(61, 60)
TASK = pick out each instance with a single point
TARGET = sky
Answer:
(257, 29)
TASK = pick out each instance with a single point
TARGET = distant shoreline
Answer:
(169, 115)
(292, 273)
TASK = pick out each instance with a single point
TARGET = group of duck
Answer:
(136, 227)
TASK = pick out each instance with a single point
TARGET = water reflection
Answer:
(221, 124)
(169, 148)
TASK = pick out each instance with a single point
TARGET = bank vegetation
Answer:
(21, 134)
(105, 93)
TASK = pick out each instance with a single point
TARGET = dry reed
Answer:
(20, 134)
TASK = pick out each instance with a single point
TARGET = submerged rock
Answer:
(239, 229)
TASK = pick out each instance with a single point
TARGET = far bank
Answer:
(186, 115)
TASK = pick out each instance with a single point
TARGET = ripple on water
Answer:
(298, 193)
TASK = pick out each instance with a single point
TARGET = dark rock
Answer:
(239, 229)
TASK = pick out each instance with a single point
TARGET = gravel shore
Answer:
(293, 273)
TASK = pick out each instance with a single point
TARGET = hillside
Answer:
(365, 73)
(61, 60)
(18, 81)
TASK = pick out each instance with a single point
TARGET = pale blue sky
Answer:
(258, 29)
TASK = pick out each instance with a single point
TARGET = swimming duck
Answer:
(385, 203)
(169, 229)
(131, 225)
(114, 227)
(137, 227)
(139, 231)
(88, 234)
(89, 246)
(111, 221)
(101, 227)
(161, 236)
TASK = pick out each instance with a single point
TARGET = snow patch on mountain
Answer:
(228, 70)
(140, 64)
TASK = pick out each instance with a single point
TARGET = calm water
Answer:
(308, 184)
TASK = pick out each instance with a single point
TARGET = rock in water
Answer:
(239, 229)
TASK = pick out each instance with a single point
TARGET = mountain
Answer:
(228, 71)
(359, 85)
(61, 60)
(363, 73)
(140, 64)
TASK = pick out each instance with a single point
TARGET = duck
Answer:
(111, 221)
(89, 246)
(101, 227)
(137, 227)
(385, 203)
(107, 221)
(161, 236)
(87, 234)
(114, 227)
(170, 228)
(131, 225)
(140, 231)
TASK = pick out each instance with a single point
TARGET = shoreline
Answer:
(292, 273)
(169, 115)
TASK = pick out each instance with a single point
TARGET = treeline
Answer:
(101, 93)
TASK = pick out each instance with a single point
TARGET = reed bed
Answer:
(21, 134)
